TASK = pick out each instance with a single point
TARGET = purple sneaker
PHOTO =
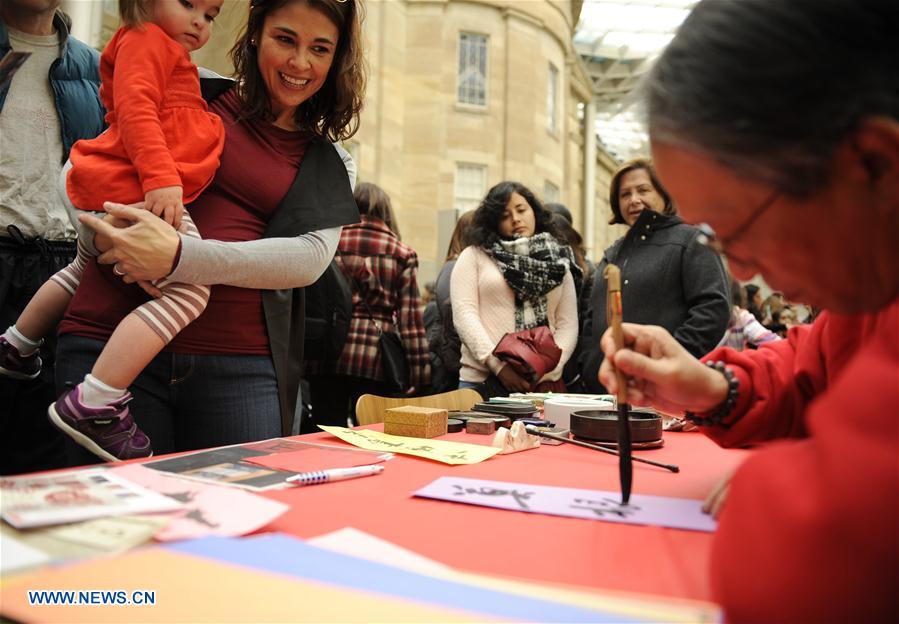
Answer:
(17, 366)
(108, 432)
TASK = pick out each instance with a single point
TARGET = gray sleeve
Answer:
(267, 264)
(85, 234)
(349, 163)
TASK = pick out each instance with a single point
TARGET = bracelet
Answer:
(716, 417)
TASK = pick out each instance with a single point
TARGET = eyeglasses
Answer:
(710, 239)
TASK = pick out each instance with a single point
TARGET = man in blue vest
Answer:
(51, 102)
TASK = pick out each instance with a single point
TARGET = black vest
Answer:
(319, 198)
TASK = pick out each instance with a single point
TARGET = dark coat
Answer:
(75, 81)
(319, 198)
(443, 340)
(668, 278)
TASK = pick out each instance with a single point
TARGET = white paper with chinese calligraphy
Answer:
(676, 513)
(438, 450)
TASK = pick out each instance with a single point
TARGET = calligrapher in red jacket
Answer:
(776, 124)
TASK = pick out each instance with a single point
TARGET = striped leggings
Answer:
(179, 305)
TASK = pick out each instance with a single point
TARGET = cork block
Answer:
(415, 422)
(483, 426)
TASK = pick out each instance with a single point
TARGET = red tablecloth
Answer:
(588, 553)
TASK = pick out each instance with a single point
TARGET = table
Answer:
(590, 554)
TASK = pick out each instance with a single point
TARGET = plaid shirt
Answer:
(385, 271)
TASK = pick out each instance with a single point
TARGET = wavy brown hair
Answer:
(484, 229)
(333, 112)
(615, 188)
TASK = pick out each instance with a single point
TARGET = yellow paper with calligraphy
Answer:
(438, 450)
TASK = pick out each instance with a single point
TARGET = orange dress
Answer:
(160, 133)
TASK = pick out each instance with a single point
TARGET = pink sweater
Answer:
(484, 311)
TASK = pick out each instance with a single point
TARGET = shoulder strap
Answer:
(358, 288)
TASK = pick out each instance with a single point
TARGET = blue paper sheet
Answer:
(287, 555)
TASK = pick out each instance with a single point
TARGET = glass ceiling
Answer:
(618, 41)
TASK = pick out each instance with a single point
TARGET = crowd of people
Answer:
(134, 326)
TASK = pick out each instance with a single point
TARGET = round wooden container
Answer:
(601, 425)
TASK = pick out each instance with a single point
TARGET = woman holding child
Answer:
(270, 222)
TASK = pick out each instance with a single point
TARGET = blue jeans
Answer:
(186, 402)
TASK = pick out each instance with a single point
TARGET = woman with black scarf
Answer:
(514, 276)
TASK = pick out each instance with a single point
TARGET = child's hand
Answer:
(166, 203)
(101, 241)
(150, 288)
(115, 221)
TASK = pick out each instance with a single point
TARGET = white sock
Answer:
(20, 341)
(95, 393)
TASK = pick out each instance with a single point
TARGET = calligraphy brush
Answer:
(533, 430)
(613, 316)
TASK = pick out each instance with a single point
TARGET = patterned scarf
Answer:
(533, 266)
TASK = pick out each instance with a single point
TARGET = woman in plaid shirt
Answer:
(379, 267)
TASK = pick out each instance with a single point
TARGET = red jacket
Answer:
(810, 530)
(160, 131)
(386, 270)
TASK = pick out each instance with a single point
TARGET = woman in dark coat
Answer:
(668, 277)
(443, 341)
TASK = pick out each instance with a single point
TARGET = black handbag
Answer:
(390, 348)
(393, 360)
